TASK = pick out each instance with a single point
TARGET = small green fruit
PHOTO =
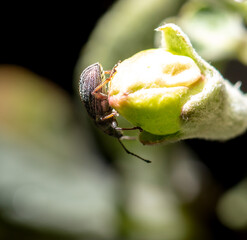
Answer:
(173, 94)
(150, 88)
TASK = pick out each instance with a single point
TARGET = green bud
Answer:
(173, 94)
(150, 88)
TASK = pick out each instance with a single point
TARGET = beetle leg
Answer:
(111, 73)
(132, 128)
(113, 114)
(100, 95)
(101, 85)
(133, 154)
(128, 138)
(107, 72)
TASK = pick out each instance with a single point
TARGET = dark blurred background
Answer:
(47, 38)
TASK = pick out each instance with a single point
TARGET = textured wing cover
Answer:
(90, 78)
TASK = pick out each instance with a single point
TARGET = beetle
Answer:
(93, 93)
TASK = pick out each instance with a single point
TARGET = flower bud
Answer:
(173, 94)
(150, 88)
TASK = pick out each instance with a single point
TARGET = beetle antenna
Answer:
(133, 154)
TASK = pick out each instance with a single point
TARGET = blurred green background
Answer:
(61, 178)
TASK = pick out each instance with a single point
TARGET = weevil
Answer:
(93, 93)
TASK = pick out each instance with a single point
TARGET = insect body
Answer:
(93, 93)
(96, 103)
